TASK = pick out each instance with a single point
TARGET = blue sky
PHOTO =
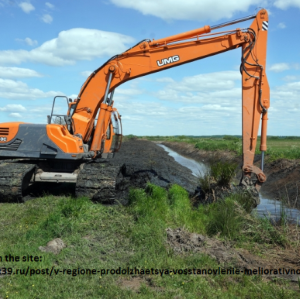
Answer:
(50, 48)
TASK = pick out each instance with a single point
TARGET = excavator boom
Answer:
(92, 126)
(153, 56)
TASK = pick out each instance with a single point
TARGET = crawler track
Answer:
(14, 179)
(97, 180)
(105, 181)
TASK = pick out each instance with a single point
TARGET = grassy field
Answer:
(109, 237)
(278, 147)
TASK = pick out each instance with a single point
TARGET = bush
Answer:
(205, 182)
(226, 219)
(223, 172)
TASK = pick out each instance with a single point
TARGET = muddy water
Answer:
(267, 207)
(196, 167)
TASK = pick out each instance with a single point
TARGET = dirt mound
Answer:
(227, 256)
(54, 246)
(138, 162)
(143, 161)
(182, 241)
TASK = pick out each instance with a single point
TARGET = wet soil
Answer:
(283, 176)
(143, 161)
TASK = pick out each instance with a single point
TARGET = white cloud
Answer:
(70, 46)
(168, 120)
(16, 72)
(224, 98)
(26, 7)
(86, 73)
(286, 108)
(216, 81)
(188, 9)
(207, 112)
(16, 115)
(47, 19)
(279, 67)
(49, 5)
(285, 4)
(281, 25)
(10, 89)
(28, 41)
(194, 102)
(201, 88)
(13, 107)
(127, 91)
(14, 56)
(287, 93)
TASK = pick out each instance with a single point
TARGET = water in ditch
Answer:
(268, 207)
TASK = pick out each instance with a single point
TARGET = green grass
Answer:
(223, 171)
(219, 173)
(277, 147)
(103, 237)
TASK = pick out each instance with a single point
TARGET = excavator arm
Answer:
(154, 56)
(57, 152)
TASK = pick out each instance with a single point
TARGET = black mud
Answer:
(138, 162)
(143, 161)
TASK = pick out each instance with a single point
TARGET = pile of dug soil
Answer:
(137, 163)
(281, 261)
(143, 161)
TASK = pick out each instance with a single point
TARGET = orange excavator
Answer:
(91, 129)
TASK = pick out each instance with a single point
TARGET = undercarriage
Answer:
(94, 179)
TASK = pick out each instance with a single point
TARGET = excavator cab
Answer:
(62, 119)
(113, 137)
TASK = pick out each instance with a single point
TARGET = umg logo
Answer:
(168, 60)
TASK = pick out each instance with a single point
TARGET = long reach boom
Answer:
(153, 56)
(61, 151)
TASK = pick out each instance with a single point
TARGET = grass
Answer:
(104, 237)
(222, 171)
(277, 147)
(219, 173)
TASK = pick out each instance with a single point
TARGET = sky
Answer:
(50, 48)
